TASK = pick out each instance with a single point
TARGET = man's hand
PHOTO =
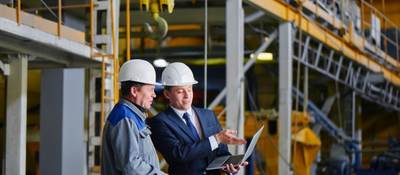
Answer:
(229, 137)
(230, 168)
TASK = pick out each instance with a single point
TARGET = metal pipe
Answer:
(91, 27)
(384, 27)
(70, 6)
(246, 67)
(205, 51)
(114, 53)
(128, 30)
(397, 44)
(254, 16)
(103, 77)
(59, 18)
(18, 11)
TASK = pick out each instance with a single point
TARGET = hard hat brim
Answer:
(155, 83)
(181, 84)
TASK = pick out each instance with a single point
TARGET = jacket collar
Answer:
(133, 107)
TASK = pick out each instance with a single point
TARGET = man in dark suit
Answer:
(189, 138)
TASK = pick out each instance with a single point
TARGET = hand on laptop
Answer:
(230, 168)
(229, 137)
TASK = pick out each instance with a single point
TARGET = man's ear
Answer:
(134, 91)
(166, 94)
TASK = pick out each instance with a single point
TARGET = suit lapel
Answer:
(203, 121)
(176, 120)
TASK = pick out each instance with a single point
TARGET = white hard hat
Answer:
(139, 71)
(177, 74)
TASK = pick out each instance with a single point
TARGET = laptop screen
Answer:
(252, 144)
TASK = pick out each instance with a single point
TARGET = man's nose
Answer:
(186, 94)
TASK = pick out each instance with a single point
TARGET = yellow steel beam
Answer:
(333, 20)
(114, 52)
(91, 13)
(342, 44)
(355, 39)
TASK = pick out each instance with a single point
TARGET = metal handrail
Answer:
(368, 9)
(58, 16)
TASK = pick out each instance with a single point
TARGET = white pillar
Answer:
(234, 69)
(15, 163)
(62, 149)
(285, 96)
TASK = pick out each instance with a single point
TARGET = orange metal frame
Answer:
(343, 44)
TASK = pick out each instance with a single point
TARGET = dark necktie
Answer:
(191, 126)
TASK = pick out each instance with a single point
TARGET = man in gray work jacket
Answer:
(127, 148)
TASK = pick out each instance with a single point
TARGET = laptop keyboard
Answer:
(220, 160)
(234, 160)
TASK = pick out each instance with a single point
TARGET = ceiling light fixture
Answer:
(160, 62)
(263, 56)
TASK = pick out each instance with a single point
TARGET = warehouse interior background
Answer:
(323, 76)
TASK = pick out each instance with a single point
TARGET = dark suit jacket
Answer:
(173, 139)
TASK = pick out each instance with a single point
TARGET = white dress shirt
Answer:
(195, 120)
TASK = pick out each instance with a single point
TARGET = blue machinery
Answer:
(350, 144)
(387, 163)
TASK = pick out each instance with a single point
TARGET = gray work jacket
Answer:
(126, 146)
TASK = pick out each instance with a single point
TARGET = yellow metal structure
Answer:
(144, 4)
(299, 120)
(115, 55)
(305, 143)
(109, 78)
(31, 20)
(161, 5)
(91, 13)
(304, 153)
(169, 4)
(18, 12)
(350, 44)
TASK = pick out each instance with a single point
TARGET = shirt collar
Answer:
(181, 112)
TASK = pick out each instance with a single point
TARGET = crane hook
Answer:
(159, 31)
(161, 25)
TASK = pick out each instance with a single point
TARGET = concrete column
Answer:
(285, 96)
(234, 69)
(62, 149)
(15, 163)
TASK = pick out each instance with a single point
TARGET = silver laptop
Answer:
(220, 162)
